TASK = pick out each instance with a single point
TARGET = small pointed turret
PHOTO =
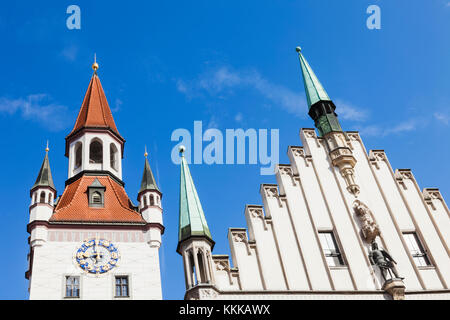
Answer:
(43, 193)
(150, 205)
(321, 108)
(148, 180)
(44, 178)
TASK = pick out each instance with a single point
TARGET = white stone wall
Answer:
(281, 252)
(54, 260)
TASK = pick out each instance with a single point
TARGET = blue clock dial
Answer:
(97, 256)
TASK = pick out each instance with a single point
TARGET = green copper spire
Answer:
(313, 88)
(148, 181)
(192, 219)
(321, 108)
(44, 178)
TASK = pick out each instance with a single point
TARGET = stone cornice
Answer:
(94, 225)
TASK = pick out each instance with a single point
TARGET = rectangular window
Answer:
(416, 249)
(72, 287)
(331, 249)
(122, 286)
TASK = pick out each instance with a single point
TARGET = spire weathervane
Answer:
(95, 64)
(47, 149)
(145, 154)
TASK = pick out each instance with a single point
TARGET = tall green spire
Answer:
(313, 88)
(321, 108)
(148, 180)
(192, 218)
(44, 178)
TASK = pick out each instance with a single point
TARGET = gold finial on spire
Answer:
(47, 149)
(145, 154)
(95, 64)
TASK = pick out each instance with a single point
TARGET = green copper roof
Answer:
(314, 90)
(192, 218)
(44, 178)
(148, 181)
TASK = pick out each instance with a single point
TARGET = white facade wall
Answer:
(244, 256)
(261, 231)
(54, 259)
(282, 256)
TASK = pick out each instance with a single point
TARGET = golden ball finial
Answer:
(145, 154)
(95, 64)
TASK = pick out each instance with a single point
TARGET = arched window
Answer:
(113, 156)
(152, 200)
(78, 154)
(42, 197)
(145, 201)
(96, 198)
(96, 152)
(193, 272)
(50, 199)
(201, 266)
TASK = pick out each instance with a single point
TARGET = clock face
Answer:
(97, 256)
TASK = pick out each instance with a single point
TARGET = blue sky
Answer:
(230, 64)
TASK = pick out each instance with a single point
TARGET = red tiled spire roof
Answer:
(95, 111)
(73, 205)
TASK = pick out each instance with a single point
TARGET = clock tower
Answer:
(92, 242)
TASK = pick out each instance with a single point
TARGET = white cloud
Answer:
(383, 131)
(348, 111)
(117, 105)
(38, 108)
(222, 81)
(70, 52)
(444, 118)
(181, 86)
(238, 117)
(408, 125)
(213, 123)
